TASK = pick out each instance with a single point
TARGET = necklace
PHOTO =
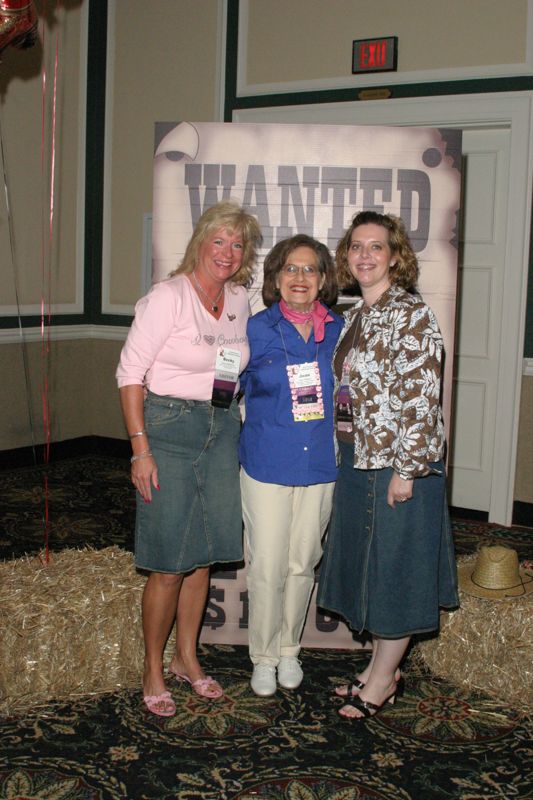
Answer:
(212, 303)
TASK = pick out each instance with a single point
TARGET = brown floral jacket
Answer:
(395, 374)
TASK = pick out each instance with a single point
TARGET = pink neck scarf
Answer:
(318, 314)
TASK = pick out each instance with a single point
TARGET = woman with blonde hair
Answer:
(178, 377)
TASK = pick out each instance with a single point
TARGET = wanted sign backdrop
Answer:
(309, 179)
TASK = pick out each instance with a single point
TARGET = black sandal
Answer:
(369, 709)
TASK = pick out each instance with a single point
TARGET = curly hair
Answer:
(229, 215)
(277, 258)
(404, 271)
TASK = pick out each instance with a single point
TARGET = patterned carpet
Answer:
(436, 742)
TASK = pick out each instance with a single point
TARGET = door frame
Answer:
(513, 111)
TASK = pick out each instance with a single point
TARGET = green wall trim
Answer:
(232, 47)
(398, 91)
(528, 336)
(94, 159)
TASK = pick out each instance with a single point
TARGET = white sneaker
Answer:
(263, 680)
(290, 673)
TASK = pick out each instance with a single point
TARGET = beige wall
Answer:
(164, 70)
(104, 412)
(315, 40)
(163, 67)
(82, 392)
(36, 265)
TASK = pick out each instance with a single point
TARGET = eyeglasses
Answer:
(308, 270)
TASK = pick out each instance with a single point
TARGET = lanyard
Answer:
(305, 387)
(284, 347)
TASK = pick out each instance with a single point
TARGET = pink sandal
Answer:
(161, 704)
(205, 687)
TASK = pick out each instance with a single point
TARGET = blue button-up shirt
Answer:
(273, 447)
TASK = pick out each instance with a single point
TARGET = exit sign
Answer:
(375, 55)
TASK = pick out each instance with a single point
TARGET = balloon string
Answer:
(45, 350)
(47, 283)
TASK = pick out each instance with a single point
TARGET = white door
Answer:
(479, 317)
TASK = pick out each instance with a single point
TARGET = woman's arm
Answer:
(155, 314)
(417, 364)
(143, 467)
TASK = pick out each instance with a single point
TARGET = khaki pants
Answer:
(284, 526)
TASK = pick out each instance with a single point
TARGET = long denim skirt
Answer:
(387, 571)
(195, 518)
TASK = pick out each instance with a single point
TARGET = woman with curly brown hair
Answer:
(389, 563)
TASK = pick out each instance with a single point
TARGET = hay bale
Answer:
(486, 645)
(69, 629)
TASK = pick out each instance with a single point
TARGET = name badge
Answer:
(344, 409)
(227, 369)
(306, 391)
(343, 403)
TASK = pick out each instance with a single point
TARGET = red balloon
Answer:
(18, 24)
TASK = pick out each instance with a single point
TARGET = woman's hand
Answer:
(143, 467)
(144, 476)
(399, 490)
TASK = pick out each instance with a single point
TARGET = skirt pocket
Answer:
(160, 411)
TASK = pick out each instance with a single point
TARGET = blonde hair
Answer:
(229, 215)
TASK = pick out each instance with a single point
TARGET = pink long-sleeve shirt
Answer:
(172, 344)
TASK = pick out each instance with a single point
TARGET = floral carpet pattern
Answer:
(436, 742)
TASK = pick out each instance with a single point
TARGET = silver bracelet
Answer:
(144, 454)
(138, 433)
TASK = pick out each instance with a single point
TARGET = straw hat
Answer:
(495, 574)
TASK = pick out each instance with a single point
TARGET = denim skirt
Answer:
(387, 571)
(195, 518)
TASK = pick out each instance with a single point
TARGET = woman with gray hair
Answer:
(178, 378)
